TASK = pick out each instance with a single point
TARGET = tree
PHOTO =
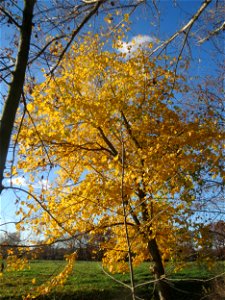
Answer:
(118, 143)
(48, 51)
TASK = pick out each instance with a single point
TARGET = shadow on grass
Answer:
(199, 290)
(182, 290)
(188, 290)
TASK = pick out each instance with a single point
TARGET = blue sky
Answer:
(145, 22)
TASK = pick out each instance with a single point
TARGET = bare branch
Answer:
(185, 27)
(11, 19)
(46, 46)
(212, 33)
(90, 1)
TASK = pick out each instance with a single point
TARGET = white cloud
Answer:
(139, 41)
(21, 182)
(16, 181)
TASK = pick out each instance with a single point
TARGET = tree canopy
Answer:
(121, 150)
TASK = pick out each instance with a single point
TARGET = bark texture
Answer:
(163, 289)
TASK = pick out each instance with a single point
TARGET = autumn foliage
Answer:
(114, 131)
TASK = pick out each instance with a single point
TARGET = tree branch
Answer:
(114, 152)
(214, 32)
(128, 127)
(185, 27)
(11, 19)
(85, 20)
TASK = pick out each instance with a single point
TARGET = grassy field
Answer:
(88, 282)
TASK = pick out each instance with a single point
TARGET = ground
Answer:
(88, 282)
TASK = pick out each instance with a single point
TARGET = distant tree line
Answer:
(89, 248)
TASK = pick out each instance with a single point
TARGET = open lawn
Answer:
(89, 282)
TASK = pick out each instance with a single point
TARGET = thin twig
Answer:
(184, 28)
(125, 221)
(85, 20)
(11, 19)
(41, 205)
(212, 33)
(16, 141)
(113, 278)
(38, 134)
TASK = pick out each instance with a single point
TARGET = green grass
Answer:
(88, 281)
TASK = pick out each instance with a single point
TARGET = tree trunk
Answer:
(16, 86)
(163, 289)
